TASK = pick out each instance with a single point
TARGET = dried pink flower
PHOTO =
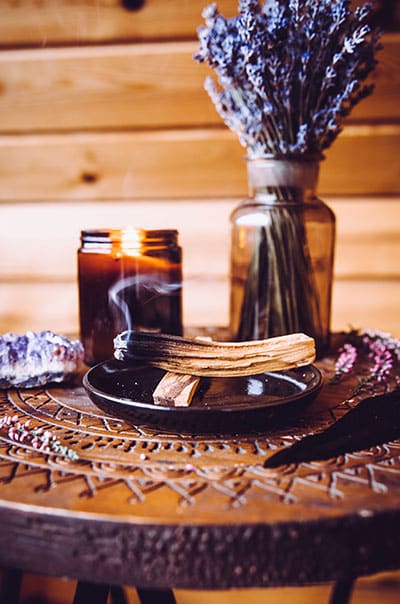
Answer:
(383, 360)
(345, 362)
(380, 347)
(43, 440)
(347, 358)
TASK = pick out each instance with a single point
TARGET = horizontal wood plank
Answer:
(368, 238)
(40, 241)
(38, 245)
(366, 304)
(383, 104)
(178, 164)
(137, 86)
(132, 86)
(36, 306)
(28, 22)
(49, 305)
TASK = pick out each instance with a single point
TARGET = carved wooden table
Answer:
(161, 511)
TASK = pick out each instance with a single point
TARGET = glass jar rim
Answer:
(115, 235)
(130, 236)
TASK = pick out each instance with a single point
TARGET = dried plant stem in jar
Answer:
(282, 253)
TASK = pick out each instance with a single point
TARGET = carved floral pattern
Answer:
(142, 462)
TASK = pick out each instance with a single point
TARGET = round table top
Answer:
(146, 508)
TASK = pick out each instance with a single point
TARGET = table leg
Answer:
(91, 592)
(118, 595)
(341, 592)
(155, 596)
(10, 586)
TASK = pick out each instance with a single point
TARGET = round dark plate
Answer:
(220, 405)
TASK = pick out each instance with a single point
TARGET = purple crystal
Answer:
(35, 359)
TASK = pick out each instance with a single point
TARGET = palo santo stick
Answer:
(175, 389)
(215, 359)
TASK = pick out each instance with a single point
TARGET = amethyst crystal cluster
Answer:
(35, 359)
(289, 71)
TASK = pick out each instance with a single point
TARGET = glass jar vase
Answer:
(282, 252)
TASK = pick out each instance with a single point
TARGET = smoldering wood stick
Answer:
(198, 357)
(177, 389)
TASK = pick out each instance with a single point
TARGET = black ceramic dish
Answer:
(220, 406)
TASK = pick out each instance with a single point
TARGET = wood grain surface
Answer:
(178, 164)
(100, 104)
(137, 86)
(29, 232)
(38, 263)
(27, 22)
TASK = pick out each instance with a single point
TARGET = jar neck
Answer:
(272, 179)
(135, 240)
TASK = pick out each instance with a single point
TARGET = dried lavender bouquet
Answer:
(288, 72)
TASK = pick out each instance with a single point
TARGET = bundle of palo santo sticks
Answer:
(186, 360)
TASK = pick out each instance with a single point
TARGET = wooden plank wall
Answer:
(104, 122)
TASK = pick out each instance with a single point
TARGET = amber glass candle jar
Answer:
(128, 279)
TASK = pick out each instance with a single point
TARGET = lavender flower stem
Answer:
(289, 70)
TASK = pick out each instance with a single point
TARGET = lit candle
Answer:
(128, 279)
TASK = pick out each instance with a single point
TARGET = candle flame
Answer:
(129, 241)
